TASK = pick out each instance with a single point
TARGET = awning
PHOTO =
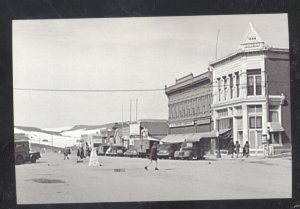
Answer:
(175, 138)
(153, 139)
(276, 127)
(225, 133)
(197, 136)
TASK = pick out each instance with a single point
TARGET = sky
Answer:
(119, 53)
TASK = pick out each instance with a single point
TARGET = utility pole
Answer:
(217, 43)
(122, 127)
(136, 109)
(51, 142)
(130, 111)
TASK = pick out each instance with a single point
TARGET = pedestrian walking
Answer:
(66, 153)
(78, 154)
(247, 149)
(153, 156)
(237, 148)
(81, 153)
(231, 148)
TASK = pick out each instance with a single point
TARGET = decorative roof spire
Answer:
(252, 40)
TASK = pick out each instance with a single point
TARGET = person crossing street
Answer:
(153, 156)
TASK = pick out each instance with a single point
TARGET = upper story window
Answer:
(238, 110)
(253, 82)
(225, 87)
(237, 76)
(254, 108)
(223, 112)
(231, 86)
(219, 89)
(273, 113)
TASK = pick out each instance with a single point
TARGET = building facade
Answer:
(251, 93)
(189, 101)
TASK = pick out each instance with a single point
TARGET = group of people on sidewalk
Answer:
(235, 149)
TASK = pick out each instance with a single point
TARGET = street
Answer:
(55, 180)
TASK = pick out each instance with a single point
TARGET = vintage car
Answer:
(190, 151)
(23, 153)
(166, 151)
(115, 151)
(132, 152)
(102, 149)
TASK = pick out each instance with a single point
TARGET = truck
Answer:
(142, 147)
(23, 153)
(167, 150)
(190, 151)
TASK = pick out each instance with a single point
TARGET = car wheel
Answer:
(33, 159)
(19, 160)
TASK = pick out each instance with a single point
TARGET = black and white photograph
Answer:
(142, 109)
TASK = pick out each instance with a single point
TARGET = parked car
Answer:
(115, 151)
(166, 151)
(102, 149)
(190, 150)
(23, 153)
(132, 152)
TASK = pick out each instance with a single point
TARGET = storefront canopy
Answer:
(197, 136)
(153, 139)
(276, 127)
(175, 138)
(194, 137)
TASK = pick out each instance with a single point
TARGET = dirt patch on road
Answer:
(47, 181)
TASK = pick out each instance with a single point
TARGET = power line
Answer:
(86, 90)
(241, 85)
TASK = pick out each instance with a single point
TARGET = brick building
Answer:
(189, 101)
(251, 89)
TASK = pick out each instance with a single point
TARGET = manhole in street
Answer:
(119, 170)
(47, 181)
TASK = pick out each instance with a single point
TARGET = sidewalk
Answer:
(228, 157)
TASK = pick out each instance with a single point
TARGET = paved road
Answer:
(54, 180)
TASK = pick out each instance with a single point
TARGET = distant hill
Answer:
(28, 128)
(92, 127)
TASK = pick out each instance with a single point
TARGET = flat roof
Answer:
(240, 52)
(189, 82)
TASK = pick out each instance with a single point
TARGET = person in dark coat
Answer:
(231, 148)
(78, 154)
(247, 149)
(66, 153)
(237, 148)
(81, 153)
(153, 156)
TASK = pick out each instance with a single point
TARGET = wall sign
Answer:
(179, 124)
